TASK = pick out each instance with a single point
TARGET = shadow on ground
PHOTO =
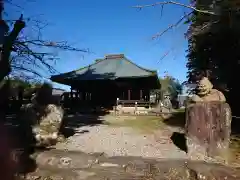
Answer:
(20, 139)
(72, 121)
(236, 126)
(177, 120)
(180, 141)
(18, 134)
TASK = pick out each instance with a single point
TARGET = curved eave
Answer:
(69, 82)
(81, 74)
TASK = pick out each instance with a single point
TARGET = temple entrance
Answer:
(105, 96)
(115, 77)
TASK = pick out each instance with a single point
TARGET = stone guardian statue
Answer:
(206, 93)
(45, 116)
(208, 123)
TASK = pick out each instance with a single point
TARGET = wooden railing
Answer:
(131, 103)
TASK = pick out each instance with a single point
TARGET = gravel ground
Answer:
(122, 141)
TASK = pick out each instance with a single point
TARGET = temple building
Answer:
(113, 79)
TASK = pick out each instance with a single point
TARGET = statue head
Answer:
(204, 86)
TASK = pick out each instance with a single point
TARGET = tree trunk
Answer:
(208, 129)
(5, 66)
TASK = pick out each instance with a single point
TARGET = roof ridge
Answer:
(108, 59)
(114, 56)
(145, 69)
(88, 66)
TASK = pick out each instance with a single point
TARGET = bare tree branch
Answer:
(13, 4)
(29, 53)
(175, 3)
(59, 45)
(35, 60)
(166, 54)
(21, 68)
(171, 26)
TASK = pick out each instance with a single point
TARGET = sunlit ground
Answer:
(149, 124)
(145, 124)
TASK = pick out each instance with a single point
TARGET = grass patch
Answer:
(181, 110)
(143, 123)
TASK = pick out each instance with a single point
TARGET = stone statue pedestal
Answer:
(208, 129)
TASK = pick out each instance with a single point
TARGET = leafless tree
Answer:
(208, 9)
(24, 54)
(30, 54)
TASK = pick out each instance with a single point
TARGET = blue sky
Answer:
(107, 27)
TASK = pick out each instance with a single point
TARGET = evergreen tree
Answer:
(214, 43)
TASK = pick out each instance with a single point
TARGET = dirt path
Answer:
(102, 152)
(123, 141)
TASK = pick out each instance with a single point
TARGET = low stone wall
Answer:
(132, 110)
(64, 165)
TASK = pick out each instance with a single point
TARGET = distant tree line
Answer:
(169, 87)
(27, 88)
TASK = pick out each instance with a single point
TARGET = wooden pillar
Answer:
(148, 95)
(129, 94)
(80, 97)
(141, 93)
(71, 93)
(83, 95)
(87, 96)
(78, 94)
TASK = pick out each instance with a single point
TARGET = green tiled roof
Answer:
(111, 67)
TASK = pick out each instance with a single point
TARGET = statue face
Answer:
(204, 86)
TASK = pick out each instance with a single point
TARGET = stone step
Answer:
(68, 165)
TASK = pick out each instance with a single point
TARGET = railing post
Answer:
(136, 107)
(117, 102)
